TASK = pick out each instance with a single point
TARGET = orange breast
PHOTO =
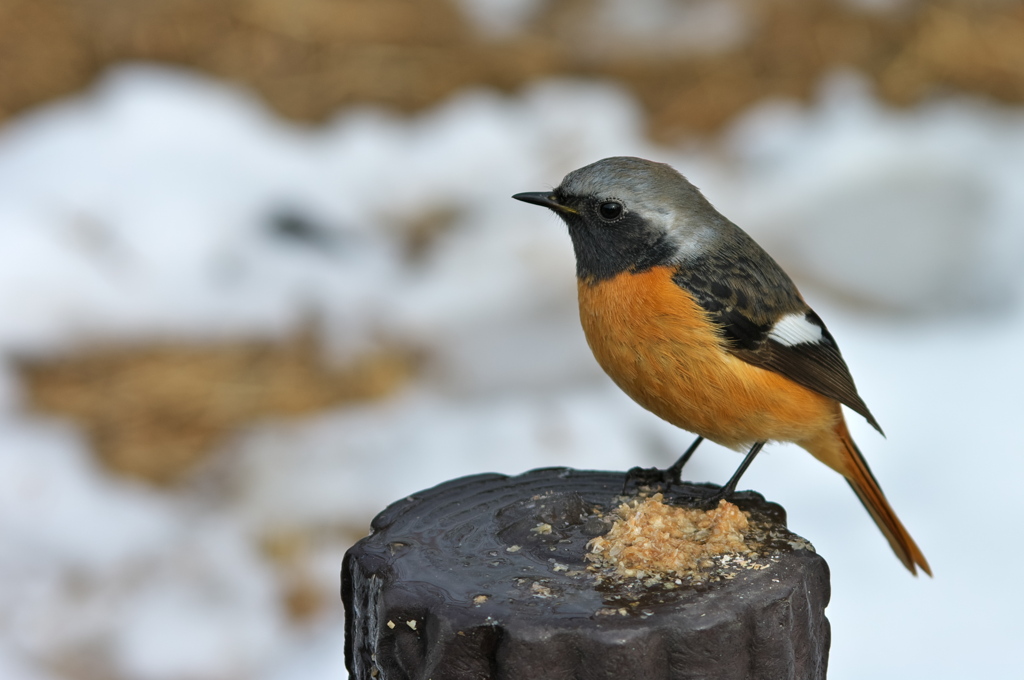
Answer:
(657, 344)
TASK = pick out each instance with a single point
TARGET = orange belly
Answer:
(660, 347)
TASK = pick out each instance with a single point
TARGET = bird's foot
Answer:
(647, 477)
(711, 501)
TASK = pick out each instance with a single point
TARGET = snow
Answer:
(152, 207)
(912, 212)
(639, 26)
(208, 612)
(500, 18)
(55, 502)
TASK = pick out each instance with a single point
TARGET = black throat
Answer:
(603, 251)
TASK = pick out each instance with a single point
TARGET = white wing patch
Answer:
(795, 329)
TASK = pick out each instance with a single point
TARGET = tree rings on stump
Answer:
(488, 576)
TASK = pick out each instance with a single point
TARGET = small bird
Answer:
(700, 326)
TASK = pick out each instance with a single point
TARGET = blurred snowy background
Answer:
(261, 275)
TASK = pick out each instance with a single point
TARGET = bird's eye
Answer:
(610, 210)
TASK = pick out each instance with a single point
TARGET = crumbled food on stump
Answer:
(651, 538)
(488, 592)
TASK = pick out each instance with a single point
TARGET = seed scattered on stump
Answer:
(651, 538)
(554, 613)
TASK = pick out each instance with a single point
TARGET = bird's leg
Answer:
(730, 486)
(675, 472)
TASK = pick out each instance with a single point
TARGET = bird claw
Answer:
(650, 477)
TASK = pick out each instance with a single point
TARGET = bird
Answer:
(692, 319)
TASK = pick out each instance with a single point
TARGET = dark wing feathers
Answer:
(818, 366)
(746, 329)
(738, 331)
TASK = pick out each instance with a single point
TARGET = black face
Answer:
(609, 238)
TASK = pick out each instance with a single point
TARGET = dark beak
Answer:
(543, 198)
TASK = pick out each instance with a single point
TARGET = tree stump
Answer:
(487, 577)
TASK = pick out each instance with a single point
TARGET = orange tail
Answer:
(864, 484)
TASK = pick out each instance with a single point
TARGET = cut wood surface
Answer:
(488, 576)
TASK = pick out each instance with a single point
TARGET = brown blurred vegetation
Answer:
(152, 412)
(307, 58)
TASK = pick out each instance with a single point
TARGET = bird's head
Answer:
(630, 214)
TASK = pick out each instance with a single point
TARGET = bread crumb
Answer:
(650, 539)
(540, 590)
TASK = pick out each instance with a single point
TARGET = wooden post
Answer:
(486, 577)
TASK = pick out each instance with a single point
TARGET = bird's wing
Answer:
(779, 333)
